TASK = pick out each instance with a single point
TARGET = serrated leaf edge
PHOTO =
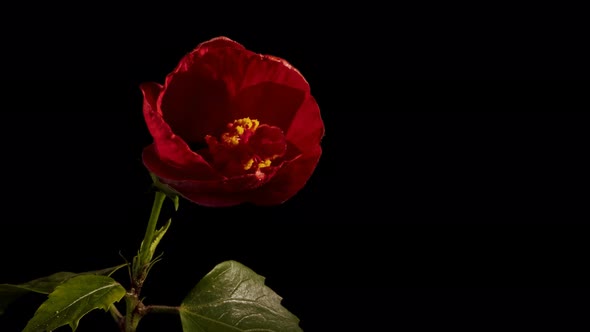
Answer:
(231, 264)
(74, 323)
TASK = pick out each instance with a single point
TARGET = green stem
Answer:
(141, 264)
(145, 252)
(132, 316)
(143, 259)
(162, 309)
(116, 314)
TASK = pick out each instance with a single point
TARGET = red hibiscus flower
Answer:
(232, 126)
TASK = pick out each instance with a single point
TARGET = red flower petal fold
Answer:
(231, 126)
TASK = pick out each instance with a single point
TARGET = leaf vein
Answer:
(238, 286)
(246, 317)
(194, 320)
(243, 301)
(77, 300)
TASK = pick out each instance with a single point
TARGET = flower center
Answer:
(246, 147)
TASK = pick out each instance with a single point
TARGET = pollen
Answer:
(248, 164)
(230, 139)
(241, 150)
(259, 163)
(265, 163)
(245, 123)
(239, 131)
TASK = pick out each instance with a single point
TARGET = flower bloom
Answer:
(231, 126)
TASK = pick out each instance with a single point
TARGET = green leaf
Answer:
(44, 285)
(234, 298)
(175, 199)
(158, 236)
(73, 299)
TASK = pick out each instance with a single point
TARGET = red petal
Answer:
(268, 142)
(195, 105)
(307, 127)
(151, 92)
(205, 47)
(168, 147)
(251, 68)
(216, 192)
(198, 170)
(267, 68)
(219, 60)
(197, 93)
(271, 103)
(288, 180)
(219, 42)
(196, 102)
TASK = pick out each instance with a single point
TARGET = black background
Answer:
(446, 198)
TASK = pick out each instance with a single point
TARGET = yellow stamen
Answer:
(246, 123)
(235, 141)
(248, 164)
(237, 128)
(255, 124)
(265, 163)
(229, 139)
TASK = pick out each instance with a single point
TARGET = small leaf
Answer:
(158, 236)
(171, 193)
(175, 200)
(234, 298)
(70, 301)
(44, 285)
